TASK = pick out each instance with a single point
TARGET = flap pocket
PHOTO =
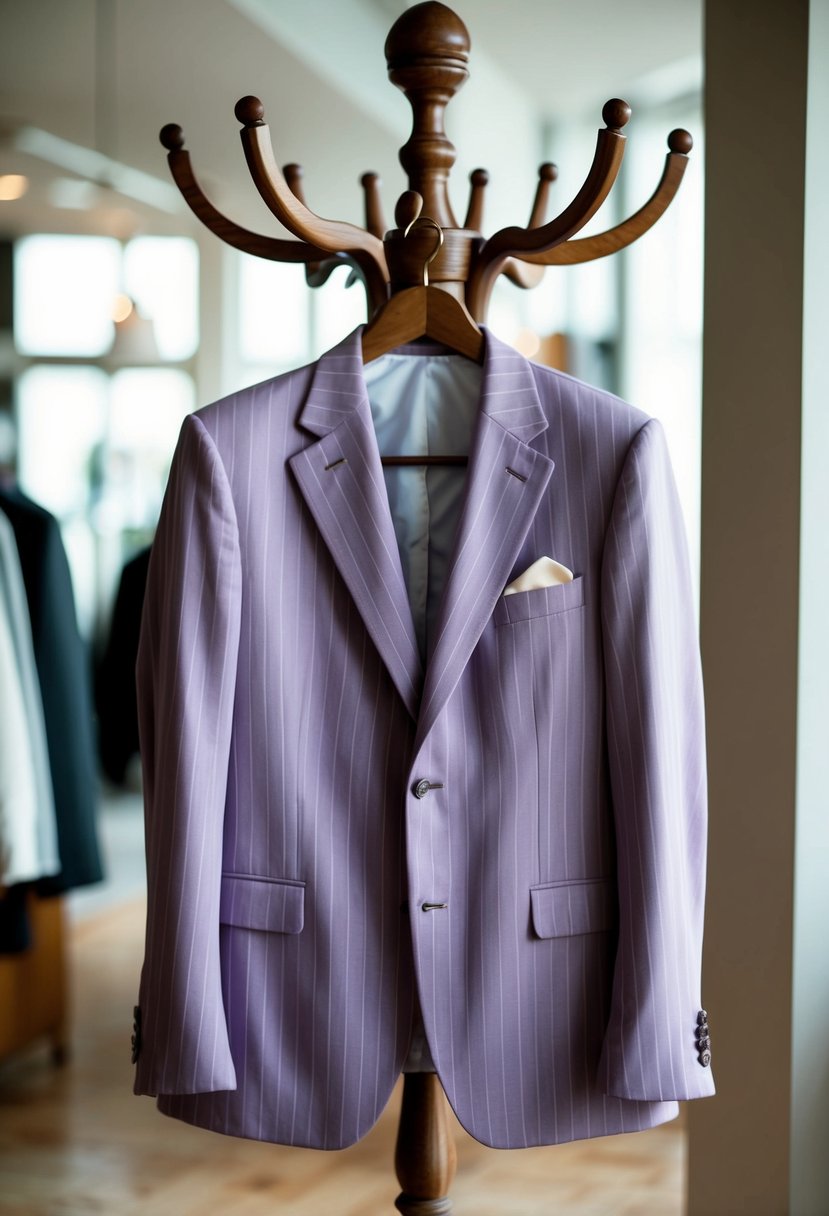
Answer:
(562, 909)
(540, 601)
(276, 905)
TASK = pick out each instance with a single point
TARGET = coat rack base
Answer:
(423, 1207)
(425, 1157)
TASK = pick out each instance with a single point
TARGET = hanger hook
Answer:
(424, 219)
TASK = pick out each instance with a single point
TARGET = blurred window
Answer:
(161, 273)
(336, 311)
(147, 406)
(65, 287)
(273, 314)
(62, 421)
(284, 323)
(661, 349)
(94, 436)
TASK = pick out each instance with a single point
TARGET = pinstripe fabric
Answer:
(286, 717)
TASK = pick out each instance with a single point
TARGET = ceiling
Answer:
(318, 67)
(567, 55)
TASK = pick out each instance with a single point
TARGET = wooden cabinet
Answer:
(33, 984)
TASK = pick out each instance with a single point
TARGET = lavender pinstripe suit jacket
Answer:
(286, 720)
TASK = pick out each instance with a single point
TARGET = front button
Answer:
(422, 788)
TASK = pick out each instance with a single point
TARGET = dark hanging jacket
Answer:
(63, 672)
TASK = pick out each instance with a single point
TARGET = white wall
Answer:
(759, 1148)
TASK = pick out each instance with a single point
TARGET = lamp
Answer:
(134, 339)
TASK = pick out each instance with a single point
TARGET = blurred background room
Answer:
(120, 313)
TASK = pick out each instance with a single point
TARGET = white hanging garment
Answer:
(28, 829)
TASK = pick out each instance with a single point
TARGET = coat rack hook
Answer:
(424, 220)
(478, 181)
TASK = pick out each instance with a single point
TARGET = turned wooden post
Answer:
(427, 51)
(425, 1157)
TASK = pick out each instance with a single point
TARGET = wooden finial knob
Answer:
(425, 33)
(547, 174)
(375, 223)
(616, 114)
(680, 141)
(408, 208)
(478, 180)
(293, 176)
(172, 137)
(427, 51)
(250, 112)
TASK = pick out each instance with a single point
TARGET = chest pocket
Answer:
(541, 601)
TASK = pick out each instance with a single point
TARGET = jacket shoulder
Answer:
(573, 402)
(247, 407)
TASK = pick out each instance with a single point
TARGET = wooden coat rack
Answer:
(427, 51)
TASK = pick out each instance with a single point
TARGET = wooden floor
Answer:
(76, 1142)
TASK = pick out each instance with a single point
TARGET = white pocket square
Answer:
(544, 572)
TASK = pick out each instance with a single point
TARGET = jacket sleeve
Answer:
(185, 677)
(656, 749)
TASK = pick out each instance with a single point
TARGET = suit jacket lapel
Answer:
(341, 478)
(505, 481)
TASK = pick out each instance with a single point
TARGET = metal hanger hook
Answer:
(425, 219)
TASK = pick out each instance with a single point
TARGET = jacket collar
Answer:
(342, 480)
(508, 391)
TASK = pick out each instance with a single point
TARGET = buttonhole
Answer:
(520, 476)
(333, 465)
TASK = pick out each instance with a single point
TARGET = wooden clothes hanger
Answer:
(424, 311)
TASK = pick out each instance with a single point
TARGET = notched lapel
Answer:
(507, 480)
(505, 484)
(341, 479)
